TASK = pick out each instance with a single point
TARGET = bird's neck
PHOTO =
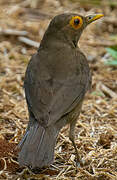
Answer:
(53, 39)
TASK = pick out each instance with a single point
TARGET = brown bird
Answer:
(56, 80)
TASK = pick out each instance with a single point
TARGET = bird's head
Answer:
(70, 26)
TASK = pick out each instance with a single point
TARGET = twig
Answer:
(36, 14)
(29, 41)
(106, 43)
(108, 91)
(12, 32)
(110, 20)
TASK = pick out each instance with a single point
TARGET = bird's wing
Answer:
(50, 97)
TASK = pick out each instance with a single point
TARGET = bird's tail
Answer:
(37, 146)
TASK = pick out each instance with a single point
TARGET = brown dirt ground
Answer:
(96, 130)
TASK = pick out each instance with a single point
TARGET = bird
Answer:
(56, 81)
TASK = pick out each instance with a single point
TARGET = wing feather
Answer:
(50, 96)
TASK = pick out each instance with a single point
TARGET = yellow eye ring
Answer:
(76, 22)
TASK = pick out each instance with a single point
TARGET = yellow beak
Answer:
(94, 17)
(98, 16)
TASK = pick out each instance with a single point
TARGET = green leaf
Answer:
(112, 63)
(97, 93)
(113, 37)
(112, 52)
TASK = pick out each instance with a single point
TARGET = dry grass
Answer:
(96, 131)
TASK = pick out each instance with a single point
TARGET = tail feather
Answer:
(37, 146)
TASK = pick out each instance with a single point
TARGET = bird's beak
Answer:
(92, 18)
(98, 16)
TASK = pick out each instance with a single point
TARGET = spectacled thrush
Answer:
(56, 80)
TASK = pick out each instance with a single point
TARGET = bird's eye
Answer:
(76, 22)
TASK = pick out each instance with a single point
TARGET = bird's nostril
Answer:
(89, 17)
